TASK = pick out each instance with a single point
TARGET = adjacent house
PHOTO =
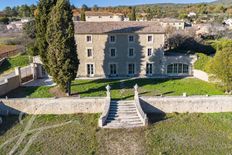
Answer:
(228, 22)
(96, 16)
(18, 25)
(171, 22)
(2, 14)
(192, 14)
(126, 49)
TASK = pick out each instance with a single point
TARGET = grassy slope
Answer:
(177, 134)
(77, 137)
(124, 90)
(192, 134)
(16, 61)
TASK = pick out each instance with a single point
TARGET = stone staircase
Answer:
(123, 114)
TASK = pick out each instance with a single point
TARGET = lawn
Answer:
(20, 60)
(79, 134)
(123, 89)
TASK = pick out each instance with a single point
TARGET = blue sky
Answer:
(4, 3)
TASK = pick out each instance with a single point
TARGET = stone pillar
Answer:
(108, 91)
(33, 71)
(184, 94)
(18, 72)
(136, 90)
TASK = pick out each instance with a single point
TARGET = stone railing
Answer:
(104, 115)
(139, 109)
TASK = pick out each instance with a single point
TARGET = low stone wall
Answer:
(201, 75)
(1, 61)
(9, 84)
(194, 104)
(52, 106)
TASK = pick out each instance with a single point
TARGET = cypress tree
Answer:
(133, 15)
(82, 16)
(42, 17)
(62, 54)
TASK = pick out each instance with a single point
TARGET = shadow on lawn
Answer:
(8, 121)
(20, 92)
(5, 66)
(119, 85)
(154, 114)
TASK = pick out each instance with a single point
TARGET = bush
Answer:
(16, 41)
(31, 49)
(4, 20)
(221, 67)
(202, 62)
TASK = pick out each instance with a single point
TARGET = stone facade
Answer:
(125, 49)
(137, 58)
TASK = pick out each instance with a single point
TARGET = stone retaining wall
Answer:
(52, 106)
(194, 104)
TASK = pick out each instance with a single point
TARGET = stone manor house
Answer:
(125, 49)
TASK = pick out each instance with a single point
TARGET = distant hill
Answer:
(224, 2)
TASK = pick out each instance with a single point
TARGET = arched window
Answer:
(177, 68)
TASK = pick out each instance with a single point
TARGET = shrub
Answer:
(4, 20)
(32, 49)
(15, 41)
(221, 67)
(202, 62)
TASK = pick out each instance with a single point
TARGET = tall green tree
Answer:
(82, 16)
(62, 54)
(32, 10)
(24, 11)
(221, 67)
(42, 17)
(133, 15)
